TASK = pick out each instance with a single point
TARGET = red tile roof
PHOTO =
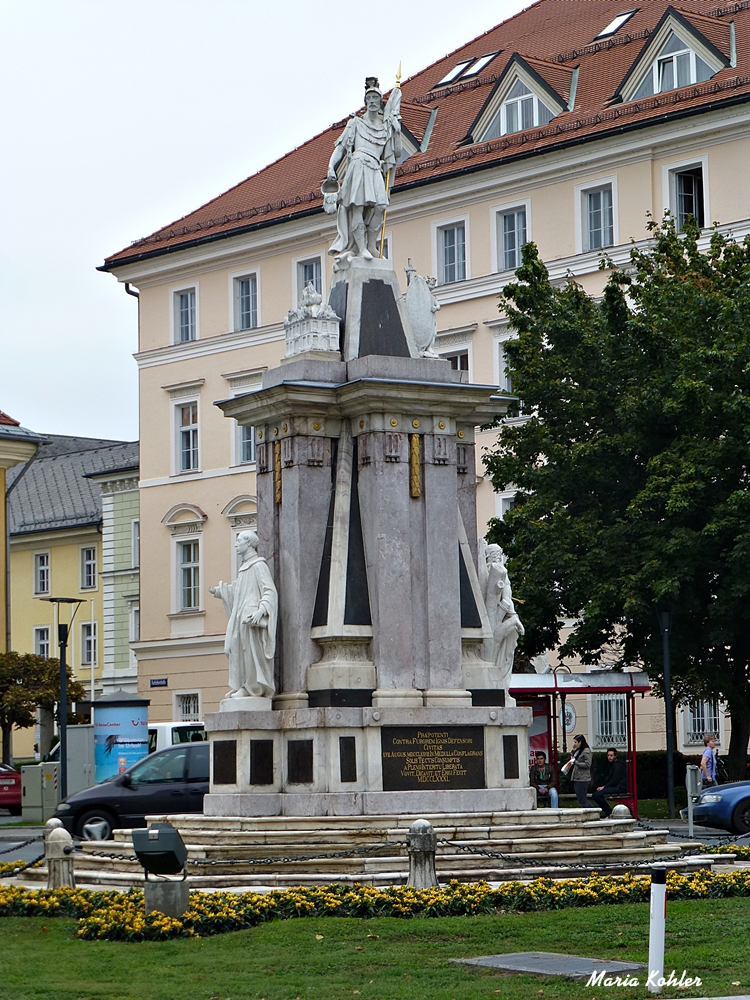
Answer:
(554, 37)
(8, 421)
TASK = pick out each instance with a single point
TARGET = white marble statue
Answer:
(421, 306)
(365, 157)
(252, 605)
(498, 599)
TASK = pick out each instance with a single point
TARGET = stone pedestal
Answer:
(368, 761)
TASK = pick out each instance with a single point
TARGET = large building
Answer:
(58, 540)
(570, 125)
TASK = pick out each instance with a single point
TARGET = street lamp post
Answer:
(665, 622)
(63, 633)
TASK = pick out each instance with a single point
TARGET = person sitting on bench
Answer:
(615, 782)
(541, 777)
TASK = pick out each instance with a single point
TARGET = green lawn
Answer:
(381, 959)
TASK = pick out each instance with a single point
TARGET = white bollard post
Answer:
(658, 916)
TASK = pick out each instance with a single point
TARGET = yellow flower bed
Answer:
(117, 916)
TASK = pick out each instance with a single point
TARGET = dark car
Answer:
(173, 780)
(726, 807)
(10, 789)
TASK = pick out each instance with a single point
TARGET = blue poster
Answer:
(120, 738)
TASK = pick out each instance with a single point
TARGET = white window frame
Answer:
(388, 238)
(236, 428)
(503, 503)
(174, 316)
(437, 247)
(297, 284)
(496, 214)
(581, 213)
(36, 640)
(187, 693)
(82, 565)
(669, 173)
(177, 405)
(597, 739)
(234, 298)
(499, 374)
(92, 651)
(447, 352)
(134, 631)
(177, 542)
(497, 106)
(135, 543)
(35, 575)
(691, 736)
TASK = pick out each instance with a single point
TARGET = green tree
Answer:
(633, 465)
(27, 680)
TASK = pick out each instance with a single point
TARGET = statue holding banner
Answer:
(365, 157)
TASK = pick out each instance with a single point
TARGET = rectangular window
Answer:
(188, 436)
(189, 707)
(702, 720)
(511, 237)
(611, 720)
(247, 445)
(88, 568)
(599, 218)
(504, 378)
(459, 360)
(135, 624)
(135, 538)
(504, 503)
(309, 272)
(189, 576)
(184, 314)
(246, 292)
(41, 573)
(453, 253)
(41, 641)
(88, 644)
(689, 195)
(386, 248)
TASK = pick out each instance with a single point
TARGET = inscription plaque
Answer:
(225, 762)
(423, 757)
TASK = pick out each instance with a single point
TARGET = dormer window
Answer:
(521, 109)
(677, 65)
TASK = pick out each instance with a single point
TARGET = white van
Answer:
(167, 734)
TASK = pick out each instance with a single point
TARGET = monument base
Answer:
(249, 704)
(339, 761)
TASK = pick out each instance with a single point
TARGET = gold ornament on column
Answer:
(415, 467)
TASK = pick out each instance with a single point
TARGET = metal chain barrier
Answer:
(352, 852)
(17, 871)
(24, 843)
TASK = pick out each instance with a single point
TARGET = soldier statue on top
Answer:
(365, 157)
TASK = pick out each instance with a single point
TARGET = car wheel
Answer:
(15, 810)
(96, 824)
(741, 817)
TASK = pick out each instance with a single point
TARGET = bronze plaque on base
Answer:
(426, 757)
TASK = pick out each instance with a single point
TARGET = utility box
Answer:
(81, 768)
(693, 781)
(40, 791)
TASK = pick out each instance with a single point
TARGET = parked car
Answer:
(173, 780)
(167, 734)
(10, 789)
(724, 806)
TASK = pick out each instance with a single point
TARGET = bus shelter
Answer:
(547, 695)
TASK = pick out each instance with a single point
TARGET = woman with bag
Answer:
(579, 769)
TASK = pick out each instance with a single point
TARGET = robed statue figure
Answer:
(252, 605)
(365, 156)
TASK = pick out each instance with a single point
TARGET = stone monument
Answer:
(389, 690)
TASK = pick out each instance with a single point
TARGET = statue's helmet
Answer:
(372, 86)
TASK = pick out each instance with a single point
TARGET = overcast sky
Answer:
(118, 118)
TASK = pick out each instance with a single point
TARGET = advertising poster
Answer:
(120, 738)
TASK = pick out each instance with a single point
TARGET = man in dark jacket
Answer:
(615, 782)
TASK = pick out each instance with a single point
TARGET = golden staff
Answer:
(388, 174)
